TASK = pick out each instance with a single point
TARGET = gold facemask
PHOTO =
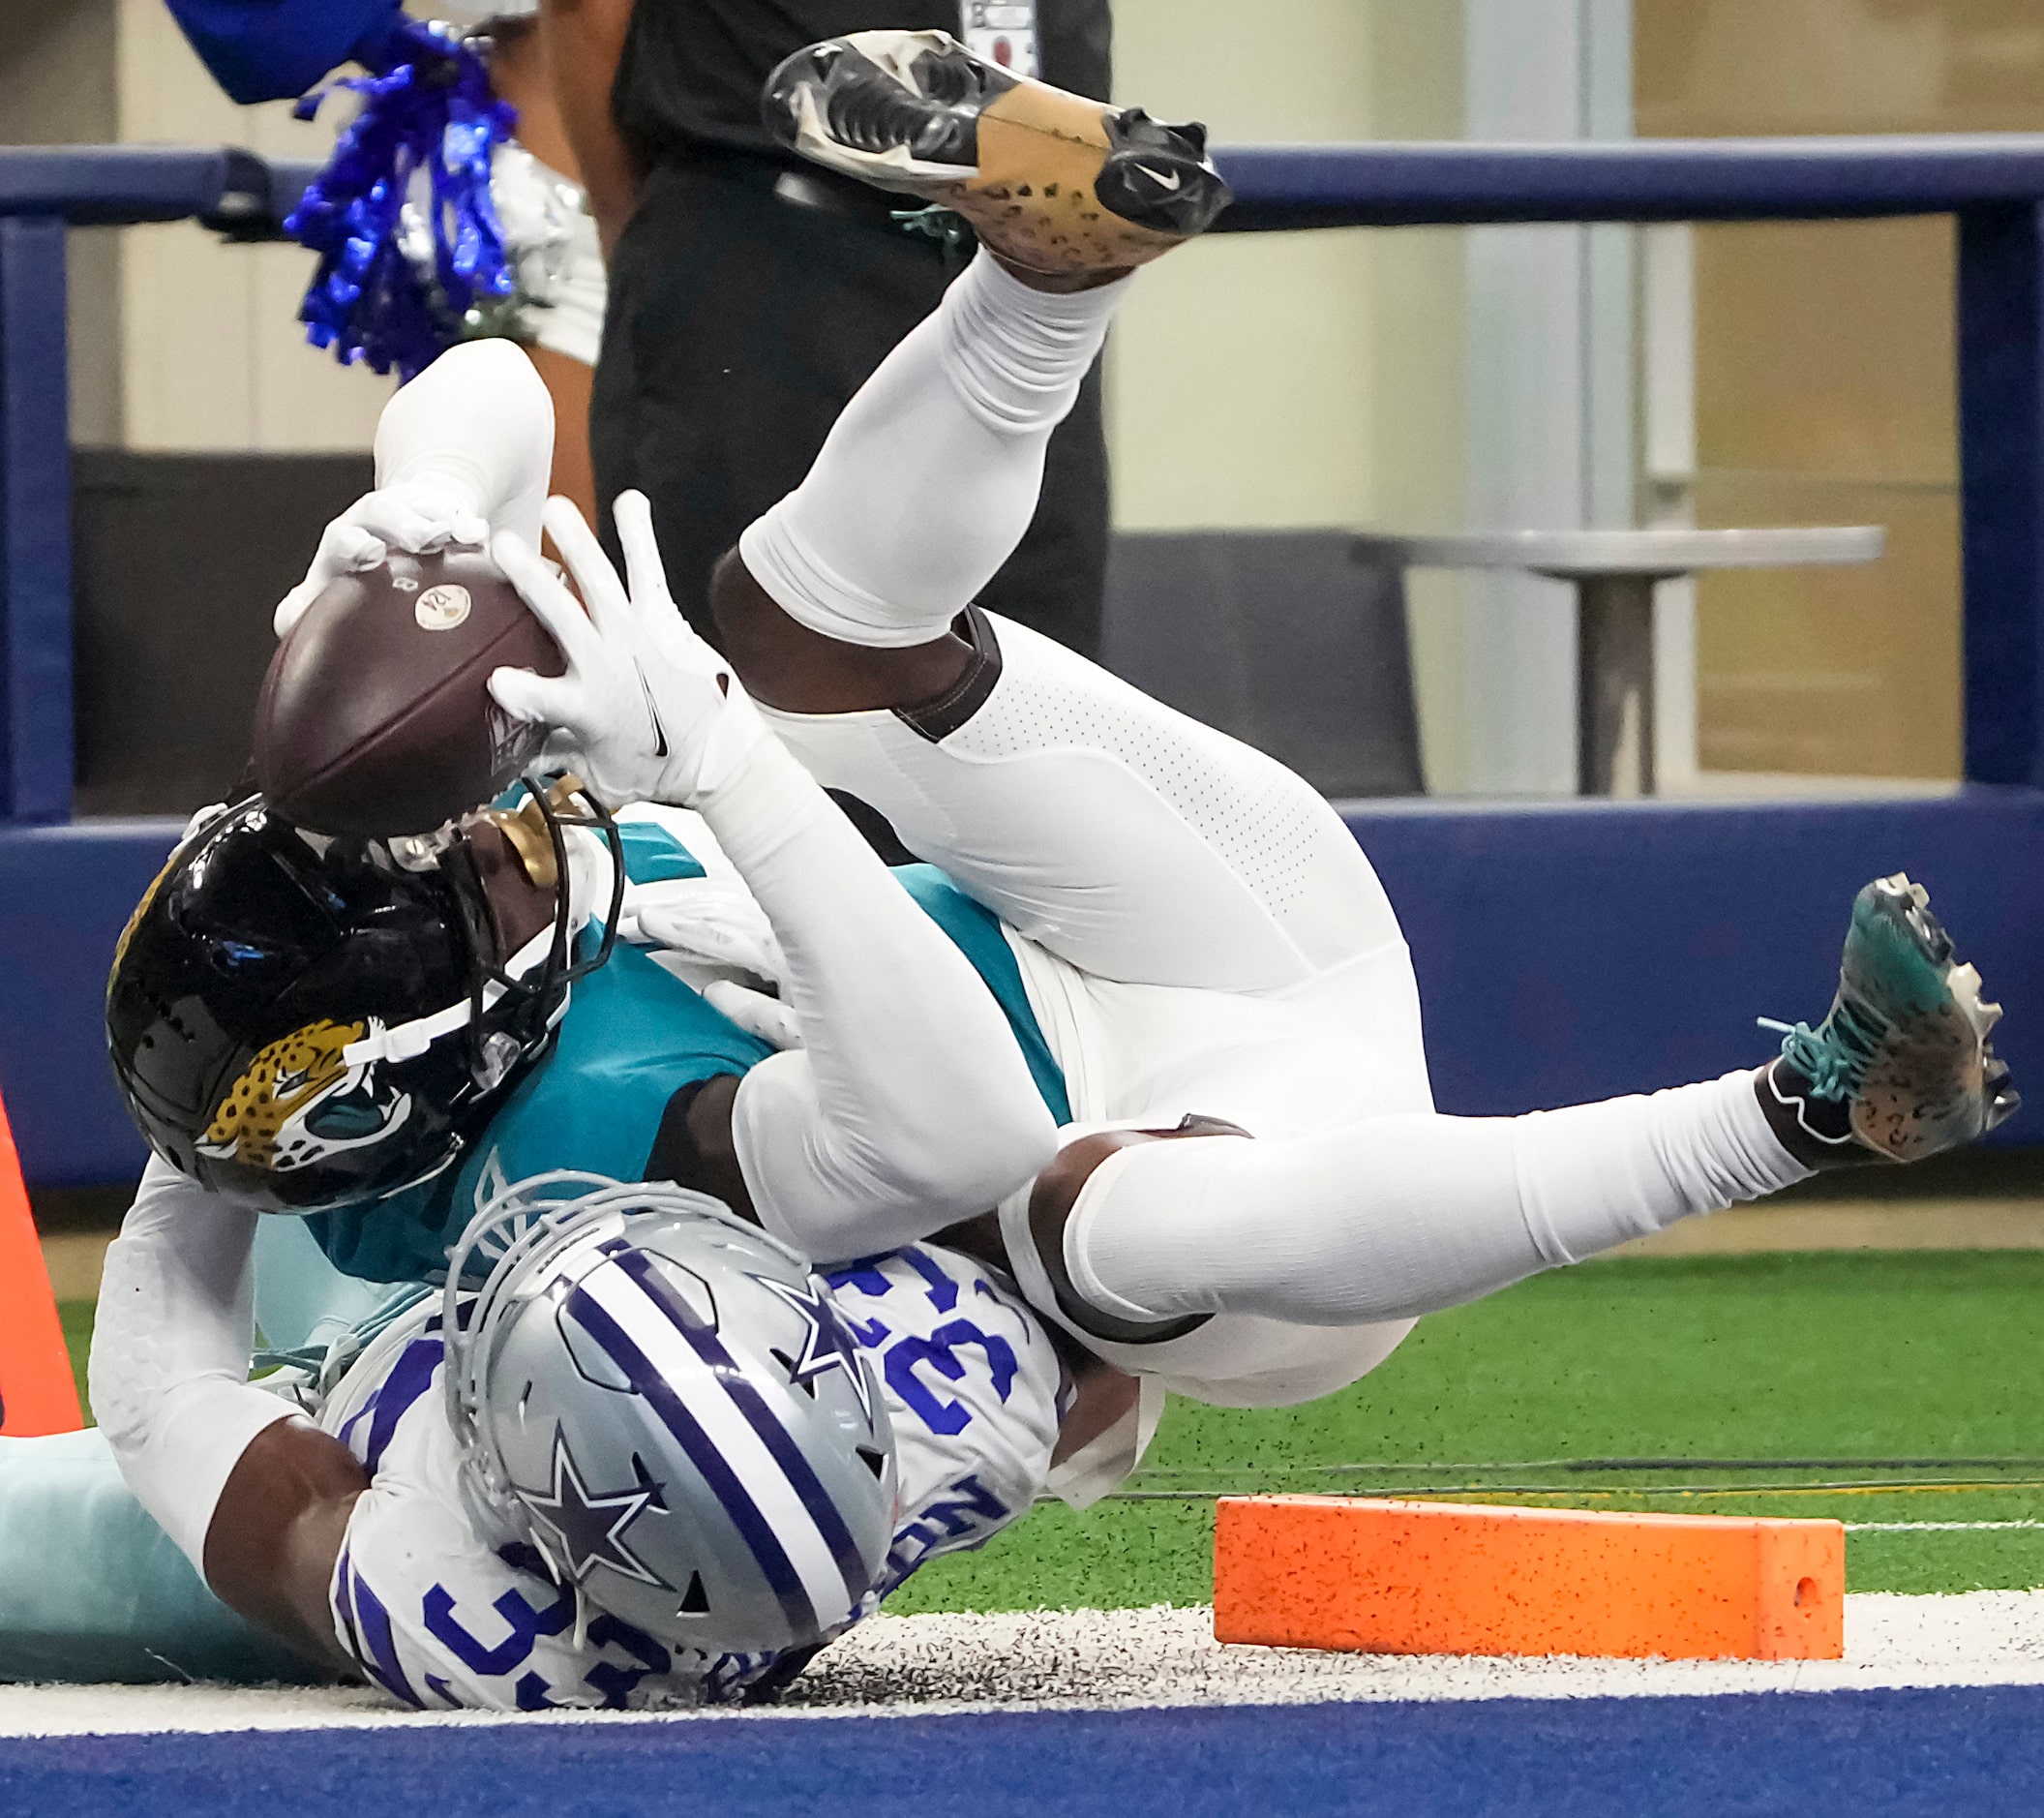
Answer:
(526, 828)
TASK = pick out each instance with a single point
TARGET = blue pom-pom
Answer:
(431, 109)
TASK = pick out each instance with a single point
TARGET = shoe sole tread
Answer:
(1034, 195)
(1925, 1089)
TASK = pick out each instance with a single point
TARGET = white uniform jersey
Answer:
(440, 1615)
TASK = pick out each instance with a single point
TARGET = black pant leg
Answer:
(739, 326)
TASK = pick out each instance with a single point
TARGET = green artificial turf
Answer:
(76, 1316)
(1865, 1358)
(1826, 1370)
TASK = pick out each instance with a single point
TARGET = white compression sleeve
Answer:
(910, 1105)
(930, 475)
(171, 1352)
(1405, 1215)
(1126, 838)
(474, 430)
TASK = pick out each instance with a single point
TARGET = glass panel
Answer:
(1823, 371)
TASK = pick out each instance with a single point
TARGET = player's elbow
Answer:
(1021, 1142)
(876, 1175)
(962, 1164)
(117, 1382)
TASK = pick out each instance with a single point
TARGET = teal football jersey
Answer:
(977, 932)
(634, 1035)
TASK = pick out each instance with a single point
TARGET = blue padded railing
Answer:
(1993, 184)
(43, 191)
(1455, 184)
(116, 186)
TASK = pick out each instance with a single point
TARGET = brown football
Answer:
(375, 719)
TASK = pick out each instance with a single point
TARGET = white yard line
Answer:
(1118, 1660)
(1937, 1528)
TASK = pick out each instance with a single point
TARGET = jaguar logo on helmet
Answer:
(300, 1101)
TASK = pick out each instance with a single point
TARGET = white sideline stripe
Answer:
(731, 1432)
(1132, 1660)
(1937, 1528)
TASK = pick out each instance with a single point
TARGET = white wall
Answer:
(1313, 379)
(1405, 380)
(211, 352)
(1551, 382)
(1240, 389)
(1247, 380)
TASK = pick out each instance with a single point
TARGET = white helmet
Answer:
(663, 1401)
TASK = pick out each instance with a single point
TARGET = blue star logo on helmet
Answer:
(826, 1344)
(588, 1530)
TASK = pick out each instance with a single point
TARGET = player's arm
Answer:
(910, 1105)
(461, 451)
(204, 1452)
(277, 1532)
(585, 39)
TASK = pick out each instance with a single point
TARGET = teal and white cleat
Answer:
(1902, 1068)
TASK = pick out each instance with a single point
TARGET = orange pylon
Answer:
(37, 1392)
(1395, 1577)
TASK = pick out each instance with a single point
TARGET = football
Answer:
(375, 719)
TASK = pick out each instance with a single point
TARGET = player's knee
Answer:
(745, 615)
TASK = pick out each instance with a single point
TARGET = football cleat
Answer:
(1050, 181)
(1902, 1067)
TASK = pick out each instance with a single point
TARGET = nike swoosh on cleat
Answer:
(1164, 180)
(652, 712)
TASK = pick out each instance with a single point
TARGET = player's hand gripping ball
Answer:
(652, 711)
(415, 518)
(375, 719)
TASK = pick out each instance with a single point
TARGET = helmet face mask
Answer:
(306, 1021)
(663, 1402)
(525, 1002)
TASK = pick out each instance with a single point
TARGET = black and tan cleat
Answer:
(1050, 181)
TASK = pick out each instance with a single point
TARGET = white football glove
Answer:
(417, 518)
(711, 919)
(774, 1022)
(654, 714)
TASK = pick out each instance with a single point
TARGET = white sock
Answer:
(1016, 354)
(930, 476)
(1406, 1215)
(1593, 1177)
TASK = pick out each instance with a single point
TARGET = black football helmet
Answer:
(306, 1021)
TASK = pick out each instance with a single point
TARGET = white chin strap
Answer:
(407, 1040)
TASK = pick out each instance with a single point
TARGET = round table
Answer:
(1614, 573)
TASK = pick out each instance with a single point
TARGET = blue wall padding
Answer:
(1576, 949)
(1876, 1755)
(1565, 951)
(65, 896)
